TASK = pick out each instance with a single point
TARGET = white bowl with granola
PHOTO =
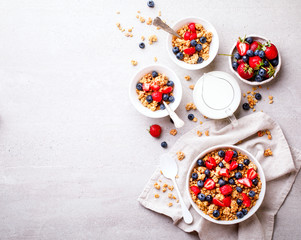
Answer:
(198, 46)
(225, 184)
(152, 85)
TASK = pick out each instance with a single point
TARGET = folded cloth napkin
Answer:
(280, 171)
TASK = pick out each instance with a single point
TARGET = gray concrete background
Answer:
(74, 153)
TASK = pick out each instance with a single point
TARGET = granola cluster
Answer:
(225, 184)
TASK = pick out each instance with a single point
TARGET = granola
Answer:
(173, 132)
(180, 156)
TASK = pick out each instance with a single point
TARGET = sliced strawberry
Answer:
(193, 36)
(191, 26)
(270, 51)
(209, 184)
(187, 35)
(212, 161)
(209, 165)
(245, 71)
(146, 87)
(255, 62)
(166, 90)
(224, 172)
(254, 46)
(245, 181)
(157, 96)
(195, 190)
(227, 201)
(242, 47)
(189, 51)
(246, 200)
(228, 156)
(233, 165)
(251, 174)
(218, 202)
(155, 86)
(226, 190)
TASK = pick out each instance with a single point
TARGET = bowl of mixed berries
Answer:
(255, 60)
(226, 184)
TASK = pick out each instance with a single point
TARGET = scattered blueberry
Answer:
(150, 4)
(235, 65)
(162, 107)
(180, 55)
(255, 181)
(221, 153)
(215, 213)
(175, 50)
(231, 181)
(200, 183)
(246, 106)
(190, 116)
(239, 202)
(258, 96)
(198, 47)
(221, 182)
(261, 54)
(238, 175)
(265, 63)
(250, 53)
(246, 162)
(251, 194)
(239, 214)
(244, 211)
(171, 99)
(240, 166)
(274, 62)
(154, 74)
(142, 45)
(249, 40)
(262, 72)
(165, 96)
(209, 198)
(164, 144)
(203, 40)
(235, 155)
(193, 43)
(237, 56)
(202, 197)
(139, 86)
(239, 189)
(221, 165)
(256, 52)
(200, 60)
(258, 78)
(194, 176)
(207, 172)
(200, 162)
(149, 98)
(245, 59)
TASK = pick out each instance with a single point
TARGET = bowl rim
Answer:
(261, 195)
(145, 111)
(188, 66)
(254, 83)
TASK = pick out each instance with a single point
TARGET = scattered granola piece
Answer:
(271, 97)
(155, 59)
(165, 185)
(260, 133)
(191, 86)
(118, 24)
(122, 30)
(244, 95)
(254, 109)
(195, 119)
(201, 122)
(248, 92)
(159, 14)
(134, 63)
(157, 195)
(141, 19)
(130, 29)
(268, 152)
(259, 86)
(117, 12)
(170, 195)
(180, 156)
(152, 39)
(177, 176)
(199, 133)
(170, 187)
(270, 102)
(149, 21)
(173, 132)
(270, 137)
(170, 204)
(178, 201)
(207, 133)
(157, 186)
(158, 28)
(190, 106)
(161, 172)
(187, 78)
(142, 38)
(138, 11)
(164, 189)
(160, 180)
(174, 197)
(205, 117)
(137, 16)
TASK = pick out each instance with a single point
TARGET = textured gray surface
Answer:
(74, 153)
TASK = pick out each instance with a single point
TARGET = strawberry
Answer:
(209, 165)
(157, 96)
(187, 35)
(245, 181)
(189, 51)
(191, 26)
(155, 130)
(245, 71)
(255, 45)
(251, 174)
(155, 86)
(226, 190)
(195, 190)
(270, 50)
(246, 200)
(233, 165)
(146, 87)
(218, 202)
(166, 90)
(212, 161)
(227, 201)
(255, 62)
(228, 156)
(209, 184)
(270, 71)
(224, 172)
(240, 61)
(242, 46)
(193, 36)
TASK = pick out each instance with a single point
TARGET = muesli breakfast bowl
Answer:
(225, 184)
(201, 45)
(152, 85)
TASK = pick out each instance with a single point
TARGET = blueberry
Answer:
(221, 153)
(207, 172)
(262, 72)
(239, 189)
(221, 182)
(237, 56)
(200, 60)
(162, 107)
(198, 47)
(239, 214)
(149, 98)
(190, 116)
(142, 45)
(194, 176)
(215, 213)
(244, 211)
(171, 99)
(239, 202)
(203, 40)
(238, 175)
(250, 53)
(231, 181)
(256, 52)
(165, 96)
(249, 40)
(193, 43)
(246, 106)
(180, 55)
(205, 179)
(200, 183)
(246, 162)
(274, 62)
(258, 78)
(139, 86)
(209, 198)
(202, 197)
(175, 50)
(221, 165)
(258, 96)
(235, 154)
(255, 181)
(170, 83)
(261, 54)
(245, 59)
(240, 166)
(200, 162)
(235, 65)
(151, 4)
(251, 194)
(154, 74)
(265, 63)
(164, 144)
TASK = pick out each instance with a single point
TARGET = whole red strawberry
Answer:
(191, 26)
(255, 62)
(254, 46)
(189, 51)
(209, 184)
(155, 130)
(270, 71)
(195, 190)
(226, 190)
(193, 36)
(157, 96)
(270, 50)
(155, 86)
(245, 71)
(187, 35)
(166, 90)
(242, 46)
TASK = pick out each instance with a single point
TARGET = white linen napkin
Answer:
(280, 171)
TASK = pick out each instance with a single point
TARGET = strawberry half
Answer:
(166, 90)
(270, 50)
(155, 86)
(189, 51)
(157, 96)
(209, 184)
(255, 62)
(228, 156)
(218, 202)
(212, 161)
(254, 46)
(233, 165)
(226, 190)
(242, 46)
(227, 201)
(209, 165)
(246, 200)
(193, 36)
(187, 35)
(191, 26)
(146, 87)
(251, 174)
(245, 71)
(245, 181)
(224, 172)
(195, 190)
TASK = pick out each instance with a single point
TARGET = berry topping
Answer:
(239, 215)
(202, 197)
(221, 165)
(233, 165)
(209, 198)
(218, 202)
(251, 174)
(194, 176)
(157, 96)
(164, 144)
(193, 36)
(189, 51)
(198, 47)
(187, 35)
(191, 26)
(200, 162)
(171, 99)
(203, 39)
(226, 190)
(251, 194)
(245, 181)
(155, 130)
(180, 55)
(238, 175)
(195, 190)
(231, 181)
(246, 200)
(170, 83)
(139, 86)
(200, 183)
(207, 172)
(244, 211)
(200, 60)
(221, 153)
(255, 181)
(221, 182)
(166, 90)
(239, 189)
(235, 154)
(227, 201)
(240, 166)
(193, 43)
(146, 87)
(239, 202)
(224, 172)
(209, 184)
(155, 86)
(216, 213)
(228, 156)
(246, 162)
(149, 99)
(175, 50)
(154, 74)
(165, 97)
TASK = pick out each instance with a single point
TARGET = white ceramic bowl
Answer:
(254, 83)
(171, 76)
(259, 171)
(214, 45)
